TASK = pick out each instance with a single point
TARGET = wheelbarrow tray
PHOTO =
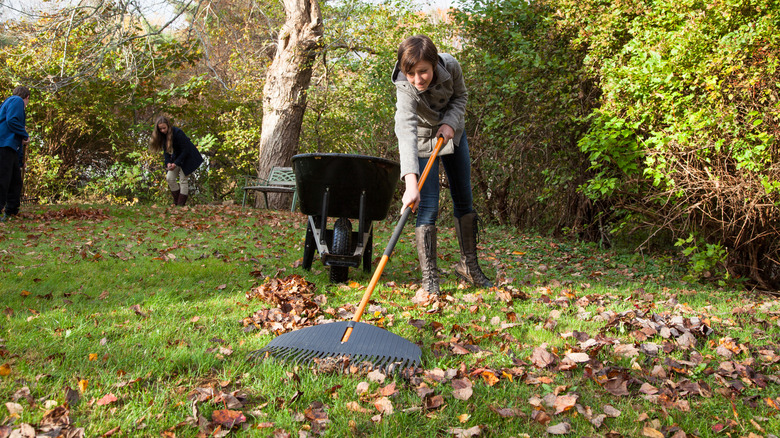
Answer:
(343, 186)
(346, 177)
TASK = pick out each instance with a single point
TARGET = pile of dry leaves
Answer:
(296, 305)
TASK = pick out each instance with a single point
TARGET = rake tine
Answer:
(308, 357)
(286, 354)
(316, 357)
(293, 355)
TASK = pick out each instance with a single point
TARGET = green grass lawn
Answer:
(130, 321)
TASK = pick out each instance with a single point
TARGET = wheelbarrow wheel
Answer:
(309, 246)
(342, 236)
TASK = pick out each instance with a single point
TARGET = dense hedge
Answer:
(528, 102)
(685, 138)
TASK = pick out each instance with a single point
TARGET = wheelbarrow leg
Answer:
(309, 246)
(324, 217)
(368, 252)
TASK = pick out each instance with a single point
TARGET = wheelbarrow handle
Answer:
(390, 245)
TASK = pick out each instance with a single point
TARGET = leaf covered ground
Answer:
(141, 321)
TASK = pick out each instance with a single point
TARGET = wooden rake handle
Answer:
(390, 245)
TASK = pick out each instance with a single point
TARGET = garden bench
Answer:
(280, 180)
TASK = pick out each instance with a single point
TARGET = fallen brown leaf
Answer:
(355, 406)
(14, 408)
(541, 417)
(228, 418)
(362, 387)
(542, 358)
(424, 390)
(626, 350)
(317, 417)
(465, 433)
(578, 357)
(611, 411)
(434, 402)
(377, 376)
(649, 432)
(564, 402)
(106, 399)
(559, 429)
(388, 390)
(462, 389)
(281, 433)
(489, 378)
(507, 412)
(137, 309)
(111, 432)
(617, 386)
(57, 417)
(384, 406)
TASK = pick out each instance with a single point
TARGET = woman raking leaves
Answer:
(431, 102)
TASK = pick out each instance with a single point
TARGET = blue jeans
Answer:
(457, 166)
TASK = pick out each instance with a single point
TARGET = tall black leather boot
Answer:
(468, 266)
(425, 238)
(175, 194)
(182, 199)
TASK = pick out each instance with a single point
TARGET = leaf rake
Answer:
(359, 343)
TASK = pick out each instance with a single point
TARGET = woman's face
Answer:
(420, 75)
(163, 128)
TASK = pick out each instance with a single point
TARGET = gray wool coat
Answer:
(418, 114)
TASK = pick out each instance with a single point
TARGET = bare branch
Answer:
(104, 28)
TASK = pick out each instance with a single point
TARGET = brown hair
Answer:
(160, 141)
(22, 92)
(415, 49)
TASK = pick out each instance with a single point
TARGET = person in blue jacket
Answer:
(180, 154)
(13, 139)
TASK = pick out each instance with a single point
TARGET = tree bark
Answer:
(287, 81)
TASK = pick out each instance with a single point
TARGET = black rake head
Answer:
(367, 347)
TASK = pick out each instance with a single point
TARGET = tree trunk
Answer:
(284, 94)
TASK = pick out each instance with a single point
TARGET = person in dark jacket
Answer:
(180, 154)
(13, 139)
(431, 100)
